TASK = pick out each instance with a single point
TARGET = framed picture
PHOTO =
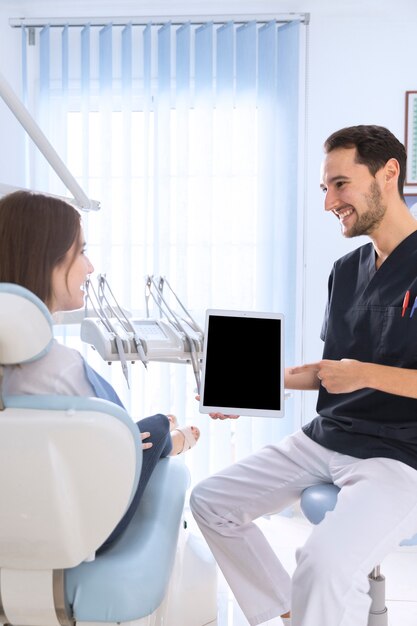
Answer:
(411, 202)
(411, 136)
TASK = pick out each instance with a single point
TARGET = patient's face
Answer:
(69, 277)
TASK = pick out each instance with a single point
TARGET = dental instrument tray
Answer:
(159, 339)
(170, 336)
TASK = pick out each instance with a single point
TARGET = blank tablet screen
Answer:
(243, 364)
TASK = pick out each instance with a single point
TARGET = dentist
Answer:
(364, 437)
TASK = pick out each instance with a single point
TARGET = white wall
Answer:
(362, 59)
(361, 63)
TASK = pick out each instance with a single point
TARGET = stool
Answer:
(315, 502)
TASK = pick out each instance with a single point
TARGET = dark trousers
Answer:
(159, 427)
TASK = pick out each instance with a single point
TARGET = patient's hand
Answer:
(220, 416)
(147, 445)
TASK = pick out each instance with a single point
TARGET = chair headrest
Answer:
(25, 325)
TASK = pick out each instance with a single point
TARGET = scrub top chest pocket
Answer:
(364, 318)
(399, 337)
(372, 333)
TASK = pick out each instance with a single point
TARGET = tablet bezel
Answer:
(243, 411)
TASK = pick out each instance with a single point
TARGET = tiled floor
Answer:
(286, 534)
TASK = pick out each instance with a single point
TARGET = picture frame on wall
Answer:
(411, 202)
(411, 137)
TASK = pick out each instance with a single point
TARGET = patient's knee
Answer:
(163, 423)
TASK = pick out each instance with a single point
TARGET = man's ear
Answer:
(391, 171)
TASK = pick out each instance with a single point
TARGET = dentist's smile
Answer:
(343, 214)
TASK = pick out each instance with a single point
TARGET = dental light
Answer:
(80, 199)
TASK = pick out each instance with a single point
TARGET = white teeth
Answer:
(342, 214)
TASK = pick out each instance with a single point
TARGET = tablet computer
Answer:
(243, 363)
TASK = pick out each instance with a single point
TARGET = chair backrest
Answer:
(68, 470)
(69, 466)
(25, 325)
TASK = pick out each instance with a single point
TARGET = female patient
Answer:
(42, 249)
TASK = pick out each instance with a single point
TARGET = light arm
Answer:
(26, 120)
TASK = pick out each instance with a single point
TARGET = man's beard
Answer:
(370, 220)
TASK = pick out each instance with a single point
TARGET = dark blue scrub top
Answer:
(363, 321)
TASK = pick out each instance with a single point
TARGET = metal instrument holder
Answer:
(106, 308)
(188, 327)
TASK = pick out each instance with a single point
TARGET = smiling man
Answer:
(364, 437)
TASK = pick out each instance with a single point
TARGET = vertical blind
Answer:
(191, 138)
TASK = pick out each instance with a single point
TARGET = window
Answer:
(189, 137)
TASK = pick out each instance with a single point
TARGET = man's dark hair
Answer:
(375, 145)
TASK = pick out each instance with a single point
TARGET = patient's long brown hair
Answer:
(36, 232)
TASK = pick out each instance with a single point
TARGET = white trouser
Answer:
(376, 509)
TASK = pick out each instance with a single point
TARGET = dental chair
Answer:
(316, 501)
(69, 467)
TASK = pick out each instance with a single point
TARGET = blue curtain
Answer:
(190, 138)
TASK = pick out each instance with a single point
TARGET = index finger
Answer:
(307, 367)
(223, 416)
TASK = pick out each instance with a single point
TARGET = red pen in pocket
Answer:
(405, 302)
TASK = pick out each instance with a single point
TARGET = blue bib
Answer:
(102, 388)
